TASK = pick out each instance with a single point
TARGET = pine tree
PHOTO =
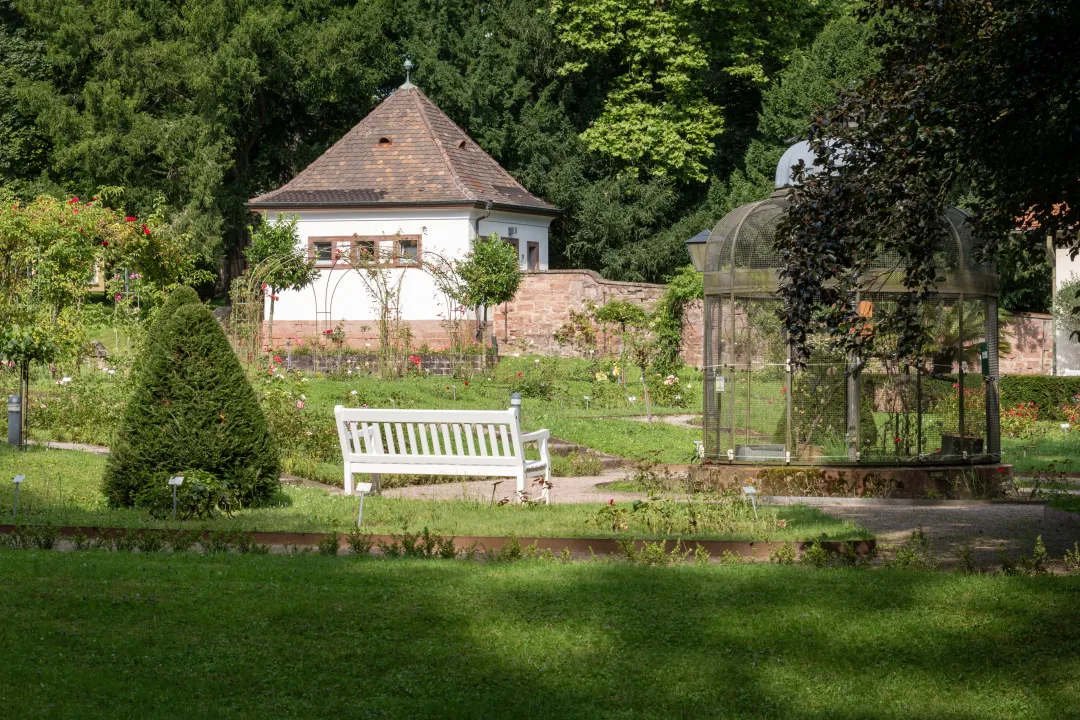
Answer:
(192, 408)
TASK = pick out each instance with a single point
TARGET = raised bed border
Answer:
(759, 549)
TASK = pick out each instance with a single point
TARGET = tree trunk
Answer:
(24, 392)
(270, 325)
(645, 394)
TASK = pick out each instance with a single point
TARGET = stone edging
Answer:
(578, 546)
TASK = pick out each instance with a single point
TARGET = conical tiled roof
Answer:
(405, 152)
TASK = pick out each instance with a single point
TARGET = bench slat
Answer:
(506, 443)
(403, 449)
(412, 439)
(360, 462)
(446, 437)
(469, 439)
(424, 416)
(435, 438)
(422, 429)
(494, 440)
(480, 439)
(457, 440)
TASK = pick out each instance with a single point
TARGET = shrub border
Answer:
(761, 550)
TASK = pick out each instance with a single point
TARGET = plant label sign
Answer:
(19, 479)
(363, 487)
(176, 480)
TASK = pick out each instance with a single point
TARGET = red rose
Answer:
(145, 230)
(130, 218)
(520, 375)
(104, 243)
(466, 383)
(277, 359)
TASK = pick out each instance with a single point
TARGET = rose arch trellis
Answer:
(248, 297)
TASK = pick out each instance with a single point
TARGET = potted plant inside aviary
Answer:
(947, 410)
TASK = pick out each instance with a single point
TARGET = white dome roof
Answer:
(790, 158)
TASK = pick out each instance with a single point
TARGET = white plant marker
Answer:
(363, 489)
(751, 491)
(176, 481)
(18, 481)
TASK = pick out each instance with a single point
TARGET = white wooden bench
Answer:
(471, 443)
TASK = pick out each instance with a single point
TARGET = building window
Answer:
(513, 242)
(365, 250)
(407, 249)
(322, 251)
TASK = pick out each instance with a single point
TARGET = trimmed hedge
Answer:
(1050, 393)
(192, 408)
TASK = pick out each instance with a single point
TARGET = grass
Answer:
(1054, 450)
(1069, 503)
(62, 487)
(563, 412)
(131, 635)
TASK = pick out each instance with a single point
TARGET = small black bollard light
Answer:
(14, 420)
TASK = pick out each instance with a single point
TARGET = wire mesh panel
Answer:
(880, 409)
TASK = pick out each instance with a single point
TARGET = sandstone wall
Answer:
(527, 324)
(1032, 339)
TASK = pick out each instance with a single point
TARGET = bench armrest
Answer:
(537, 436)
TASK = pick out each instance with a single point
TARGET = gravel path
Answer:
(988, 528)
(565, 490)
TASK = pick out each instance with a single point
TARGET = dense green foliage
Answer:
(1049, 393)
(192, 407)
(972, 99)
(623, 114)
(527, 640)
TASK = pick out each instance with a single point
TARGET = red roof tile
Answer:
(405, 152)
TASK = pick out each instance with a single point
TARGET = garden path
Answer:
(988, 528)
(565, 490)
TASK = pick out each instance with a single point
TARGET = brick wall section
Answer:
(543, 303)
(1032, 339)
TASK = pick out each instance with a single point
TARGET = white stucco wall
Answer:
(1068, 350)
(530, 228)
(446, 231)
(342, 292)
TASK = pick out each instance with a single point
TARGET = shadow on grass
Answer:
(144, 635)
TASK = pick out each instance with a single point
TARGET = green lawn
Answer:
(1054, 450)
(130, 635)
(62, 487)
(563, 410)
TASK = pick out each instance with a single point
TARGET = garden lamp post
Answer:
(515, 405)
(696, 245)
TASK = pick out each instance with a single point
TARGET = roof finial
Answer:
(408, 68)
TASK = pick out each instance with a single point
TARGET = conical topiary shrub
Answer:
(180, 296)
(192, 408)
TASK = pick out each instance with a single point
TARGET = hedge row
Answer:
(1050, 393)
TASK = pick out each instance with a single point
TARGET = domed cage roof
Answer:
(740, 256)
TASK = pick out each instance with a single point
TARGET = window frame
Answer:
(352, 242)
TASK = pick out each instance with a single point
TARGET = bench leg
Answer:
(348, 480)
(376, 484)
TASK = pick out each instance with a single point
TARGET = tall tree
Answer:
(206, 102)
(971, 97)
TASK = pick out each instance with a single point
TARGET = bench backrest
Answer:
(475, 437)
